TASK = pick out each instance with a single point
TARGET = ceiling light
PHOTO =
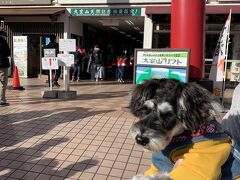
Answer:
(114, 28)
(136, 28)
(128, 35)
(141, 32)
(109, 22)
(122, 32)
(129, 22)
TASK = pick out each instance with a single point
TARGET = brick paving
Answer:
(85, 138)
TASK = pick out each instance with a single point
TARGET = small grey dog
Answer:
(172, 113)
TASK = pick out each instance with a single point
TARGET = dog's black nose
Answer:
(142, 140)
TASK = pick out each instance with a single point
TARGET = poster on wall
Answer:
(161, 63)
(20, 54)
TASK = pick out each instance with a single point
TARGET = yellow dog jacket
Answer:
(207, 154)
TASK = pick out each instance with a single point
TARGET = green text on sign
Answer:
(105, 12)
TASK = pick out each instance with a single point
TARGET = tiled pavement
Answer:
(85, 138)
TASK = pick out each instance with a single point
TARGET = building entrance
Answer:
(116, 36)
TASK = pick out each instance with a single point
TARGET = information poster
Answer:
(68, 45)
(66, 60)
(49, 53)
(49, 63)
(161, 63)
(20, 54)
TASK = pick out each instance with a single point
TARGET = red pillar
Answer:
(187, 31)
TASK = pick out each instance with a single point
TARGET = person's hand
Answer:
(178, 162)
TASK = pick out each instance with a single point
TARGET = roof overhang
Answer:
(50, 11)
(210, 9)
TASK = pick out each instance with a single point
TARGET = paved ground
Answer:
(86, 138)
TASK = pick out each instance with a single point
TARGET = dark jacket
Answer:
(78, 58)
(4, 53)
(96, 57)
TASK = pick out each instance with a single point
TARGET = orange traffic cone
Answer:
(16, 81)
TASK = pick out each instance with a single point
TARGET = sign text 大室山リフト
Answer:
(168, 58)
(161, 63)
(105, 11)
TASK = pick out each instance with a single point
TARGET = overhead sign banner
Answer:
(105, 12)
(67, 45)
(161, 63)
(20, 54)
(49, 63)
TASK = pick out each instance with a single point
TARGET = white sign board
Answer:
(168, 58)
(49, 63)
(20, 54)
(66, 59)
(67, 45)
(49, 52)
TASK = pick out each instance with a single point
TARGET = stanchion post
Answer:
(50, 79)
(66, 78)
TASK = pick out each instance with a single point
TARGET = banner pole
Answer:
(226, 60)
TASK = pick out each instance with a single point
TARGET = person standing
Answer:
(4, 65)
(97, 61)
(121, 63)
(79, 55)
(53, 45)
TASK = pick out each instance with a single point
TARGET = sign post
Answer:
(67, 45)
(66, 60)
(48, 62)
(161, 63)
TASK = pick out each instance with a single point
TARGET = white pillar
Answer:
(66, 28)
(148, 32)
(65, 18)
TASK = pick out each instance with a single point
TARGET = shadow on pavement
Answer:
(17, 127)
(20, 159)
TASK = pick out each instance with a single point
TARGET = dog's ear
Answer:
(142, 101)
(196, 105)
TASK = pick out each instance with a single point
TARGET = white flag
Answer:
(220, 55)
